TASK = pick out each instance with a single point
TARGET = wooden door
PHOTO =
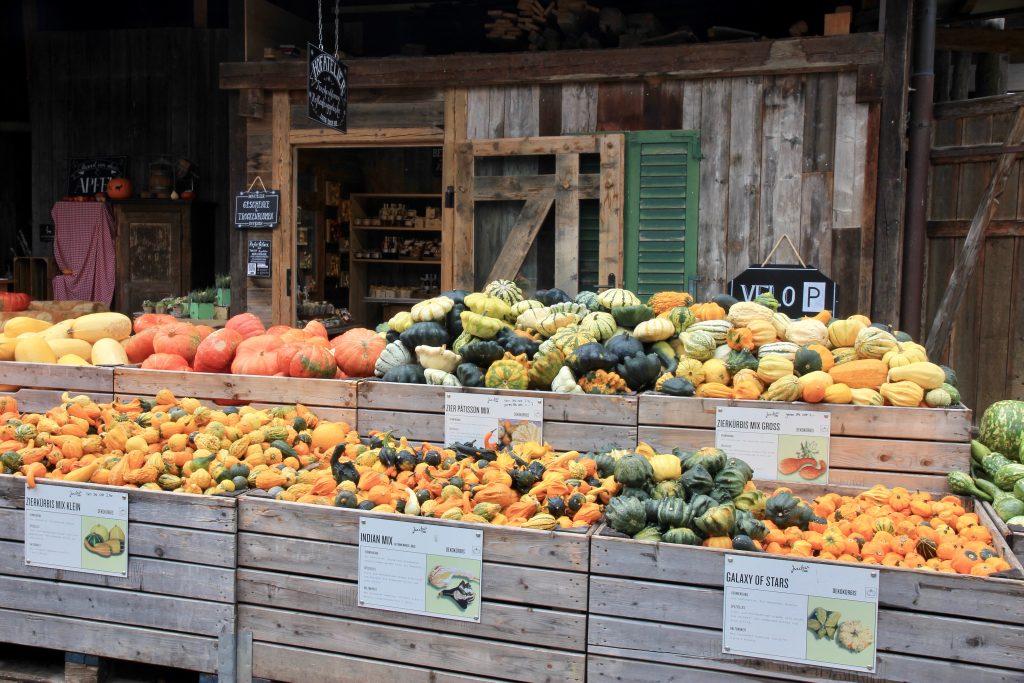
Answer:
(540, 194)
(153, 254)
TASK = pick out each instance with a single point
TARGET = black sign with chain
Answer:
(327, 89)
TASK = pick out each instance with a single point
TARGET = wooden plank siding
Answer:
(991, 316)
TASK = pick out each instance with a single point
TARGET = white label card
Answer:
(803, 612)
(786, 445)
(426, 569)
(492, 421)
(76, 528)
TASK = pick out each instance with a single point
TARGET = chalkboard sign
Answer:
(800, 291)
(89, 175)
(259, 209)
(327, 90)
(259, 259)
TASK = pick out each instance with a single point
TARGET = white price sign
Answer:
(788, 445)
(416, 568)
(492, 421)
(76, 528)
(803, 612)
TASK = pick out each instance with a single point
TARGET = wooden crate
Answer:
(911, 447)
(297, 594)
(331, 399)
(174, 607)
(571, 422)
(656, 615)
(1014, 535)
(41, 384)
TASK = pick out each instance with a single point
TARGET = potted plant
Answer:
(148, 306)
(163, 306)
(201, 304)
(179, 307)
(223, 290)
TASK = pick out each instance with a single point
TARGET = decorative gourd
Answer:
(95, 326)
(747, 386)
(426, 334)
(677, 386)
(469, 375)
(479, 325)
(506, 290)
(166, 361)
(506, 374)
(865, 397)
(781, 322)
(437, 358)
(523, 306)
(578, 310)
(938, 398)
(431, 309)
(718, 329)
(844, 332)
(246, 324)
(108, 352)
(625, 345)
(715, 370)
(666, 301)
(773, 367)
(34, 349)
(640, 372)
(784, 389)
(394, 354)
(550, 297)
(654, 330)
(785, 349)
(544, 368)
(707, 311)
(866, 373)
(441, 378)
(631, 316)
(589, 357)
(614, 298)
(714, 390)
(874, 343)
(181, 338)
(742, 313)
(681, 318)
(599, 324)
(925, 375)
(410, 373)
(565, 383)
(603, 382)
(954, 394)
(844, 354)
(905, 393)
(690, 369)
(400, 321)
(838, 393)
(481, 352)
(554, 321)
(357, 350)
(811, 358)
(740, 338)
(624, 514)
(588, 299)
(740, 360)
(698, 344)
(807, 331)
(568, 339)
(491, 306)
(813, 386)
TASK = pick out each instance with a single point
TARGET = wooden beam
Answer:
(938, 337)
(976, 39)
(999, 104)
(967, 154)
(567, 223)
(611, 214)
(566, 144)
(282, 269)
(463, 253)
(376, 137)
(959, 228)
(798, 55)
(454, 131)
(521, 237)
(494, 188)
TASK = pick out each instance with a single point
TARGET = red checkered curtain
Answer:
(83, 245)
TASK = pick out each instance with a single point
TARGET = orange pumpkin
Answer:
(740, 338)
(180, 338)
(356, 351)
(708, 311)
(246, 324)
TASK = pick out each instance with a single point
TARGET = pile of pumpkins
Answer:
(612, 342)
(163, 342)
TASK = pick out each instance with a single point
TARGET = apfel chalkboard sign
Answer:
(89, 175)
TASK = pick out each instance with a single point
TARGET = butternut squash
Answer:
(866, 373)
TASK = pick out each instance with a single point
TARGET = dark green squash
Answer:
(517, 344)
(550, 297)
(700, 504)
(366, 505)
(482, 352)
(633, 470)
(672, 488)
(746, 524)
(575, 502)
(806, 360)
(650, 533)
(406, 461)
(678, 386)
(725, 300)
(625, 346)
(674, 512)
(626, 515)
(882, 326)
(640, 372)
(424, 334)
(605, 463)
(456, 295)
(742, 360)
(950, 375)
(469, 375)
(681, 536)
(631, 316)
(697, 480)
(732, 480)
(717, 521)
(453, 321)
(346, 499)
(410, 373)
(744, 542)
(712, 459)
(666, 355)
(556, 506)
(589, 357)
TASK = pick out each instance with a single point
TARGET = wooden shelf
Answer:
(390, 300)
(392, 195)
(393, 228)
(415, 262)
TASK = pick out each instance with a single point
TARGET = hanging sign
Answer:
(808, 613)
(799, 290)
(786, 445)
(426, 569)
(259, 259)
(76, 528)
(327, 89)
(89, 175)
(492, 421)
(259, 209)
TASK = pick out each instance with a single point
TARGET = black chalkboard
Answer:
(259, 209)
(800, 291)
(89, 175)
(259, 259)
(327, 89)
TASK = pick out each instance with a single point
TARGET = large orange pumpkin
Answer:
(119, 188)
(328, 435)
(256, 363)
(278, 330)
(312, 361)
(139, 347)
(261, 343)
(180, 338)
(166, 361)
(245, 324)
(204, 331)
(285, 355)
(356, 351)
(148, 320)
(216, 352)
(316, 329)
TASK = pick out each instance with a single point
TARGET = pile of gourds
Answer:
(528, 486)
(612, 342)
(166, 444)
(91, 339)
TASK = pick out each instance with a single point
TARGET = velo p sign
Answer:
(800, 290)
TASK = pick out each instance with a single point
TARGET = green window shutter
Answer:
(660, 226)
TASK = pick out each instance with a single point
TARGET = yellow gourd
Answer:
(925, 375)
(838, 393)
(72, 359)
(21, 324)
(95, 326)
(108, 352)
(715, 371)
(7, 346)
(62, 347)
(903, 393)
(34, 349)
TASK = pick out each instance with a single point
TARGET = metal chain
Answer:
(337, 43)
(320, 22)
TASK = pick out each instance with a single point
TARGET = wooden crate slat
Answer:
(163, 648)
(145, 575)
(70, 378)
(42, 400)
(1014, 536)
(526, 585)
(311, 392)
(520, 624)
(430, 649)
(547, 549)
(608, 669)
(148, 610)
(298, 665)
(416, 426)
(925, 424)
(603, 410)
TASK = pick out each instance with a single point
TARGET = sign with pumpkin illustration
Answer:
(783, 445)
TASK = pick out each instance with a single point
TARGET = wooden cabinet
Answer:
(154, 251)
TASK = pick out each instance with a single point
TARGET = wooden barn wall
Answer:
(987, 341)
(782, 155)
(141, 93)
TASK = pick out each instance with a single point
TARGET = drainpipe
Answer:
(922, 84)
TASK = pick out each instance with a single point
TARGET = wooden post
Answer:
(938, 337)
(282, 268)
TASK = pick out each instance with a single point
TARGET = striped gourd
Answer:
(698, 344)
(787, 349)
(599, 324)
(614, 298)
(717, 328)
